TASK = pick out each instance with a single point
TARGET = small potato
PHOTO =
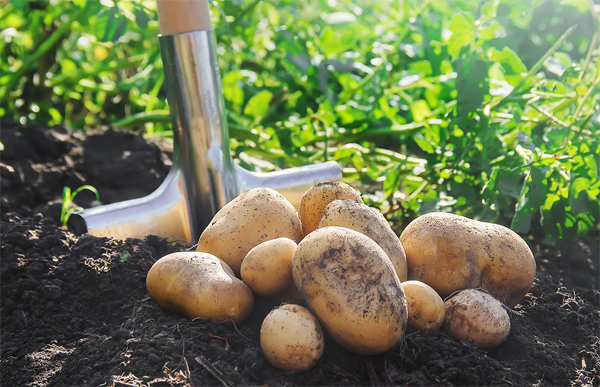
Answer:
(267, 268)
(451, 252)
(199, 285)
(349, 283)
(474, 315)
(317, 197)
(291, 338)
(255, 216)
(425, 307)
(366, 220)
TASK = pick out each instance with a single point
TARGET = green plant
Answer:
(68, 205)
(486, 109)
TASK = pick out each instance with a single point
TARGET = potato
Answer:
(291, 338)
(474, 315)
(255, 216)
(425, 307)
(267, 268)
(451, 252)
(317, 197)
(369, 221)
(199, 285)
(350, 284)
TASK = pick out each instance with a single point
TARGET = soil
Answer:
(75, 310)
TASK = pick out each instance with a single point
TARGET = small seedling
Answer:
(69, 206)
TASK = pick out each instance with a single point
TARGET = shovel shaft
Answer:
(199, 124)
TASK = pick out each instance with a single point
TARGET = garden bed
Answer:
(75, 310)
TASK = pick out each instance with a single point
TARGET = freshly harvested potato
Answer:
(450, 252)
(255, 216)
(425, 307)
(267, 268)
(199, 285)
(350, 284)
(366, 220)
(291, 338)
(474, 315)
(317, 197)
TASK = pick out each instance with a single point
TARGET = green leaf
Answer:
(514, 69)
(472, 84)
(110, 25)
(463, 32)
(258, 105)
(420, 110)
(424, 144)
(392, 181)
(490, 29)
(232, 89)
(141, 18)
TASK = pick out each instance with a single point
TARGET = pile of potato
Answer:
(357, 279)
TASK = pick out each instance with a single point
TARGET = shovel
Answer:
(203, 177)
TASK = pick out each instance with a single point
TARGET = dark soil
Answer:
(75, 310)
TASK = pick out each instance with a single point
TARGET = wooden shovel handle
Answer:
(178, 16)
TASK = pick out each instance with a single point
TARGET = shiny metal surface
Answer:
(164, 213)
(291, 183)
(199, 125)
(203, 177)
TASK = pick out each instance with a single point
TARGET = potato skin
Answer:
(366, 220)
(255, 216)
(476, 316)
(425, 307)
(451, 252)
(317, 197)
(267, 268)
(291, 338)
(199, 285)
(350, 284)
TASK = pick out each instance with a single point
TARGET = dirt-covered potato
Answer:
(474, 315)
(350, 284)
(425, 307)
(291, 338)
(199, 285)
(255, 216)
(366, 220)
(267, 268)
(317, 197)
(451, 252)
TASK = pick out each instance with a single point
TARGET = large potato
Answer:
(350, 284)
(267, 268)
(451, 252)
(291, 338)
(255, 216)
(317, 197)
(366, 220)
(473, 315)
(199, 285)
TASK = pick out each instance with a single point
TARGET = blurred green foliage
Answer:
(485, 108)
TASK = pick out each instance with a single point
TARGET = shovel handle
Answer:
(179, 16)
